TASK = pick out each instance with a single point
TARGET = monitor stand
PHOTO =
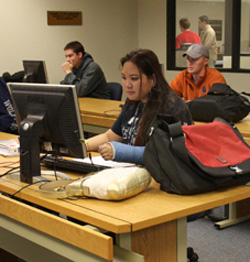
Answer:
(31, 128)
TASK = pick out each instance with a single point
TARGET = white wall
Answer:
(152, 27)
(108, 31)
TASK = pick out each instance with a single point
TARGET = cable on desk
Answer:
(91, 161)
(18, 191)
(90, 158)
(54, 167)
(9, 171)
(8, 164)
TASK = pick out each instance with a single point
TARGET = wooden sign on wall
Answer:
(64, 18)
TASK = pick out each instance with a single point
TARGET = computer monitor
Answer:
(185, 46)
(35, 71)
(49, 120)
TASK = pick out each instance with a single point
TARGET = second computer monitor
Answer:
(35, 71)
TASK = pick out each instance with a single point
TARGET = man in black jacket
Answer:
(84, 73)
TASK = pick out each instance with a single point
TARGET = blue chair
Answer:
(115, 91)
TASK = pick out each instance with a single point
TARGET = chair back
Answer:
(115, 91)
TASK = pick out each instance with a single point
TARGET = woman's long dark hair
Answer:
(160, 96)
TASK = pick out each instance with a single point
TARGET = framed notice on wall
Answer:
(217, 26)
(64, 18)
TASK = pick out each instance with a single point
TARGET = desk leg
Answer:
(162, 243)
(232, 219)
(182, 239)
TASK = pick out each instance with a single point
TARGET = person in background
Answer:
(8, 122)
(148, 94)
(208, 39)
(186, 36)
(198, 78)
(82, 71)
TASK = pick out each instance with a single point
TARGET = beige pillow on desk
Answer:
(110, 184)
(116, 183)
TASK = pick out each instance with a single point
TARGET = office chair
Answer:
(115, 91)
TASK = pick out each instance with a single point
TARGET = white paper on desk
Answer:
(10, 147)
(3, 152)
(98, 160)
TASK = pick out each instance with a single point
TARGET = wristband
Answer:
(86, 143)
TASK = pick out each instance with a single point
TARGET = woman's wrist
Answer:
(86, 144)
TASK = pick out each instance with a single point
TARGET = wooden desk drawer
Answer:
(74, 234)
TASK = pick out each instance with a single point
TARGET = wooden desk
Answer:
(152, 224)
(98, 115)
(244, 128)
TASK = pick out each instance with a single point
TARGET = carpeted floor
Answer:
(231, 244)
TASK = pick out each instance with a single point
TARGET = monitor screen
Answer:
(49, 121)
(35, 71)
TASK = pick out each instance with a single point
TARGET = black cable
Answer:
(6, 173)
(7, 164)
(18, 191)
(91, 161)
(90, 158)
(43, 156)
(54, 166)
(56, 158)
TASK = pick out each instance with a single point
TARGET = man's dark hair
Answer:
(184, 23)
(75, 46)
(204, 18)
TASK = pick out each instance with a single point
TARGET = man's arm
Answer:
(176, 85)
(89, 80)
(69, 79)
(177, 42)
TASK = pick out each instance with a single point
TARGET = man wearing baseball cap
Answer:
(198, 78)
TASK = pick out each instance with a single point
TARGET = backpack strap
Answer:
(245, 93)
(177, 139)
(245, 100)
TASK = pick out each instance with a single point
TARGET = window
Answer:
(245, 35)
(229, 18)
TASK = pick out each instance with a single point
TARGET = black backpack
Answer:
(221, 101)
(197, 158)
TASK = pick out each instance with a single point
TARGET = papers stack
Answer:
(10, 147)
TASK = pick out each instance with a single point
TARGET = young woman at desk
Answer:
(148, 94)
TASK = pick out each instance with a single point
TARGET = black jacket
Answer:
(89, 79)
(7, 114)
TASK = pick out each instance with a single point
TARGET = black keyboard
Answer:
(72, 165)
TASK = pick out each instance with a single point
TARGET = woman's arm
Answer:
(93, 143)
(127, 153)
(122, 152)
